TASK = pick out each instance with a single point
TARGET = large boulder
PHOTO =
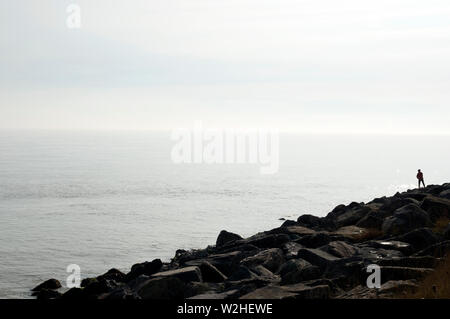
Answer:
(405, 219)
(113, 274)
(298, 270)
(290, 249)
(270, 259)
(419, 238)
(436, 207)
(162, 288)
(145, 268)
(340, 249)
(226, 238)
(268, 240)
(50, 284)
(211, 273)
(403, 273)
(317, 257)
(315, 240)
(186, 274)
(297, 291)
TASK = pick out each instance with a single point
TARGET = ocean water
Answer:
(112, 199)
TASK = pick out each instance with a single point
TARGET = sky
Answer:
(323, 66)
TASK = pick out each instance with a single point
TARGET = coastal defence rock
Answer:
(50, 284)
(226, 237)
(314, 257)
(405, 219)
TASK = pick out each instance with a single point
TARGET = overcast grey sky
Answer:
(302, 65)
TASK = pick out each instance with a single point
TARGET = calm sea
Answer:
(112, 199)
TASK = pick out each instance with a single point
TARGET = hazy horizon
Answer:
(304, 66)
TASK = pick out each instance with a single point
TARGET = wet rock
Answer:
(50, 284)
(226, 237)
(406, 219)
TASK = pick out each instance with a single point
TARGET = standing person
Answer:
(420, 178)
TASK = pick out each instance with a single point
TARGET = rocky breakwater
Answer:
(406, 235)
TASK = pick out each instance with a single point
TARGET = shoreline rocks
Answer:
(308, 258)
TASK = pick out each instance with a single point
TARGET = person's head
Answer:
(418, 170)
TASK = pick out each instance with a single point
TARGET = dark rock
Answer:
(99, 286)
(445, 194)
(290, 249)
(419, 238)
(298, 291)
(242, 273)
(298, 270)
(186, 274)
(45, 294)
(121, 293)
(410, 262)
(406, 219)
(271, 259)
(114, 274)
(288, 223)
(317, 257)
(436, 250)
(315, 240)
(436, 207)
(447, 232)
(74, 294)
(268, 240)
(145, 268)
(401, 246)
(211, 273)
(226, 237)
(403, 273)
(309, 221)
(371, 220)
(226, 263)
(50, 284)
(340, 249)
(395, 203)
(169, 287)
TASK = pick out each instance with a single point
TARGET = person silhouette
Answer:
(420, 178)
